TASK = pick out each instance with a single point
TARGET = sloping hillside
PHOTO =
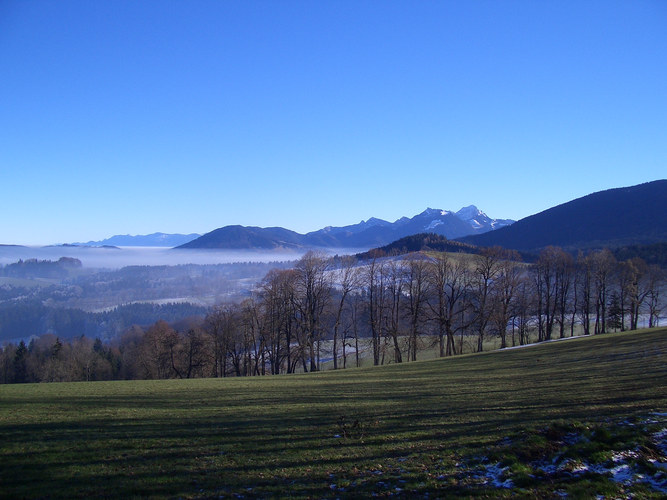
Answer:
(519, 423)
(612, 218)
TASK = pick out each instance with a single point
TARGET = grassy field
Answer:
(535, 422)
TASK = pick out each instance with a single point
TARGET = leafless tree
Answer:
(564, 274)
(313, 285)
(523, 308)
(394, 281)
(545, 272)
(347, 277)
(450, 280)
(656, 284)
(417, 291)
(374, 280)
(584, 285)
(486, 269)
(504, 290)
(603, 266)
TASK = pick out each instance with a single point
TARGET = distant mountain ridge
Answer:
(366, 234)
(147, 240)
(614, 218)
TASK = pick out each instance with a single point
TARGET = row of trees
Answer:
(336, 312)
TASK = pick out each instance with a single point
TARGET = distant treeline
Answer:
(33, 268)
(25, 318)
(654, 254)
(325, 311)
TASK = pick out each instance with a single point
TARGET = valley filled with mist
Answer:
(99, 292)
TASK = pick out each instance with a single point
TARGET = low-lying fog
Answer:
(115, 258)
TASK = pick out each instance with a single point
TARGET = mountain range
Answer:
(614, 218)
(144, 240)
(366, 234)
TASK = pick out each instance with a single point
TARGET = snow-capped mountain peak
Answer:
(470, 212)
(434, 212)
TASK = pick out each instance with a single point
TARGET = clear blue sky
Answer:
(122, 117)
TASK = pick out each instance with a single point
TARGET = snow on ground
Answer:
(627, 466)
(543, 342)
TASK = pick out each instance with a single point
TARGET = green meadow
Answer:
(540, 421)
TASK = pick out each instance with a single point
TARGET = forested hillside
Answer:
(635, 215)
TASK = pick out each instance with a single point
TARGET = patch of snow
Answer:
(493, 474)
(543, 342)
(658, 482)
(469, 212)
(619, 456)
(475, 223)
(434, 224)
(549, 469)
(577, 467)
(622, 474)
(658, 464)
(660, 439)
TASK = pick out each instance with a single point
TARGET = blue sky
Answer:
(125, 117)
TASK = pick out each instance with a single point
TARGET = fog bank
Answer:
(115, 258)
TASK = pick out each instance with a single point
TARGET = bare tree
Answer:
(523, 307)
(214, 326)
(603, 266)
(194, 353)
(313, 294)
(486, 268)
(417, 291)
(394, 288)
(223, 326)
(545, 272)
(655, 287)
(277, 296)
(564, 274)
(159, 352)
(351, 332)
(374, 280)
(584, 285)
(505, 285)
(450, 284)
(348, 279)
(636, 282)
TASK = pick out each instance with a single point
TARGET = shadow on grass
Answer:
(212, 438)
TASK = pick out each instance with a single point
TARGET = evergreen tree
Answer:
(20, 367)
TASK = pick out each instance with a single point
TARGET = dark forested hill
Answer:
(635, 215)
(419, 243)
(237, 237)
